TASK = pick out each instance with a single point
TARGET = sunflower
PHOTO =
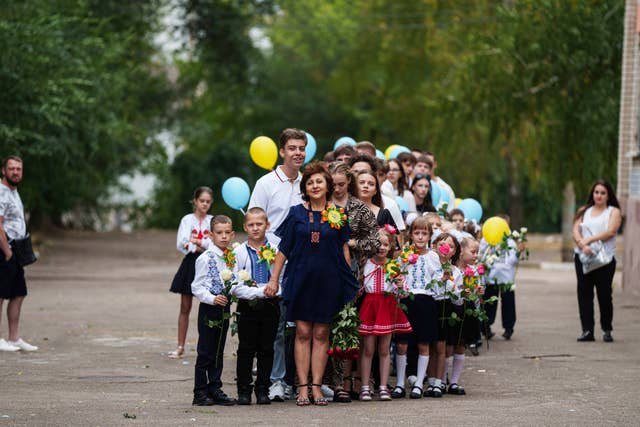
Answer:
(335, 217)
(266, 254)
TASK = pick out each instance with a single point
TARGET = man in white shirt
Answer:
(276, 192)
(12, 226)
(441, 182)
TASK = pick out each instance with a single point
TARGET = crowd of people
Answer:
(320, 241)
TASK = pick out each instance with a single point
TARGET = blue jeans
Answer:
(279, 368)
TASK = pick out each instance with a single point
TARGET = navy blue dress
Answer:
(317, 281)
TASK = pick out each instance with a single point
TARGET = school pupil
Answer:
(257, 315)
(381, 317)
(448, 280)
(213, 314)
(421, 310)
(192, 240)
(456, 216)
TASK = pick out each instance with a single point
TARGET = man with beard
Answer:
(12, 226)
(276, 192)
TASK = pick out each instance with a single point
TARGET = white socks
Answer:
(423, 362)
(458, 365)
(401, 369)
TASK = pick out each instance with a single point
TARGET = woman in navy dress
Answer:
(318, 280)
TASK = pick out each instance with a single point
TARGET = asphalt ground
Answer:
(100, 311)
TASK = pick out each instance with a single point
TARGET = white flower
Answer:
(524, 230)
(492, 259)
(235, 245)
(513, 287)
(244, 275)
(515, 234)
(226, 274)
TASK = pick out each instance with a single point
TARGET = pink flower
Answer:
(480, 269)
(468, 272)
(444, 249)
(413, 258)
(390, 228)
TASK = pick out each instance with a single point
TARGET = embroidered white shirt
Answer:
(191, 226)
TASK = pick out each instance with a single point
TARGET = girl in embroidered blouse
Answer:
(381, 317)
(192, 240)
(318, 280)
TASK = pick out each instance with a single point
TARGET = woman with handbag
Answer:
(594, 230)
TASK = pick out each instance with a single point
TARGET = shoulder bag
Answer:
(23, 250)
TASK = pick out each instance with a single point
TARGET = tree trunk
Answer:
(568, 211)
(515, 195)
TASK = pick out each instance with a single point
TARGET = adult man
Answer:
(276, 192)
(12, 226)
(441, 182)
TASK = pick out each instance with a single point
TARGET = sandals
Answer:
(341, 396)
(319, 401)
(398, 393)
(177, 353)
(416, 394)
(302, 401)
(383, 393)
(365, 394)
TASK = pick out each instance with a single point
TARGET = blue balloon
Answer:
(436, 192)
(471, 209)
(444, 197)
(236, 192)
(380, 154)
(310, 149)
(402, 204)
(344, 140)
(401, 149)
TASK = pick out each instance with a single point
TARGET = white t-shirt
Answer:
(592, 225)
(12, 213)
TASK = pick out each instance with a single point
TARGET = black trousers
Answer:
(602, 279)
(211, 340)
(257, 328)
(507, 301)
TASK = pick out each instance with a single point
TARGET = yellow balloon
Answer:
(457, 202)
(264, 152)
(389, 149)
(494, 229)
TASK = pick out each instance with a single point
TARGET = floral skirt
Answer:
(381, 315)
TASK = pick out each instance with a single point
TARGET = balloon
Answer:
(444, 197)
(236, 192)
(389, 149)
(494, 229)
(471, 208)
(436, 192)
(264, 152)
(402, 204)
(380, 154)
(310, 149)
(344, 140)
(456, 203)
(399, 149)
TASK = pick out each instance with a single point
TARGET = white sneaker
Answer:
(276, 392)
(326, 391)
(5, 346)
(412, 380)
(23, 345)
(288, 392)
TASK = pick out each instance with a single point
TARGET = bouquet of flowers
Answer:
(345, 334)
(397, 266)
(521, 237)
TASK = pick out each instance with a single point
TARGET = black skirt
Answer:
(184, 276)
(465, 329)
(422, 315)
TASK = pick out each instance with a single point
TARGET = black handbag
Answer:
(23, 251)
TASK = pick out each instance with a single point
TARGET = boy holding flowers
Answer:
(257, 315)
(211, 285)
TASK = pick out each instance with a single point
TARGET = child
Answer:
(456, 216)
(448, 279)
(213, 315)
(257, 317)
(380, 316)
(421, 311)
(192, 240)
(469, 328)
(500, 283)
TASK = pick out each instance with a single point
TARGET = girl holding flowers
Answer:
(380, 316)
(421, 309)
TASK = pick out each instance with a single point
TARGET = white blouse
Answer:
(191, 226)
(592, 225)
(374, 278)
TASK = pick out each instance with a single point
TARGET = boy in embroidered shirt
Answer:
(257, 316)
(213, 315)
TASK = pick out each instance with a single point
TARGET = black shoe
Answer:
(262, 397)
(586, 336)
(507, 334)
(244, 395)
(473, 348)
(416, 392)
(489, 333)
(398, 393)
(607, 336)
(437, 391)
(456, 390)
(220, 398)
(202, 399)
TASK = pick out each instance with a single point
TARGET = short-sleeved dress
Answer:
(318, 281)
